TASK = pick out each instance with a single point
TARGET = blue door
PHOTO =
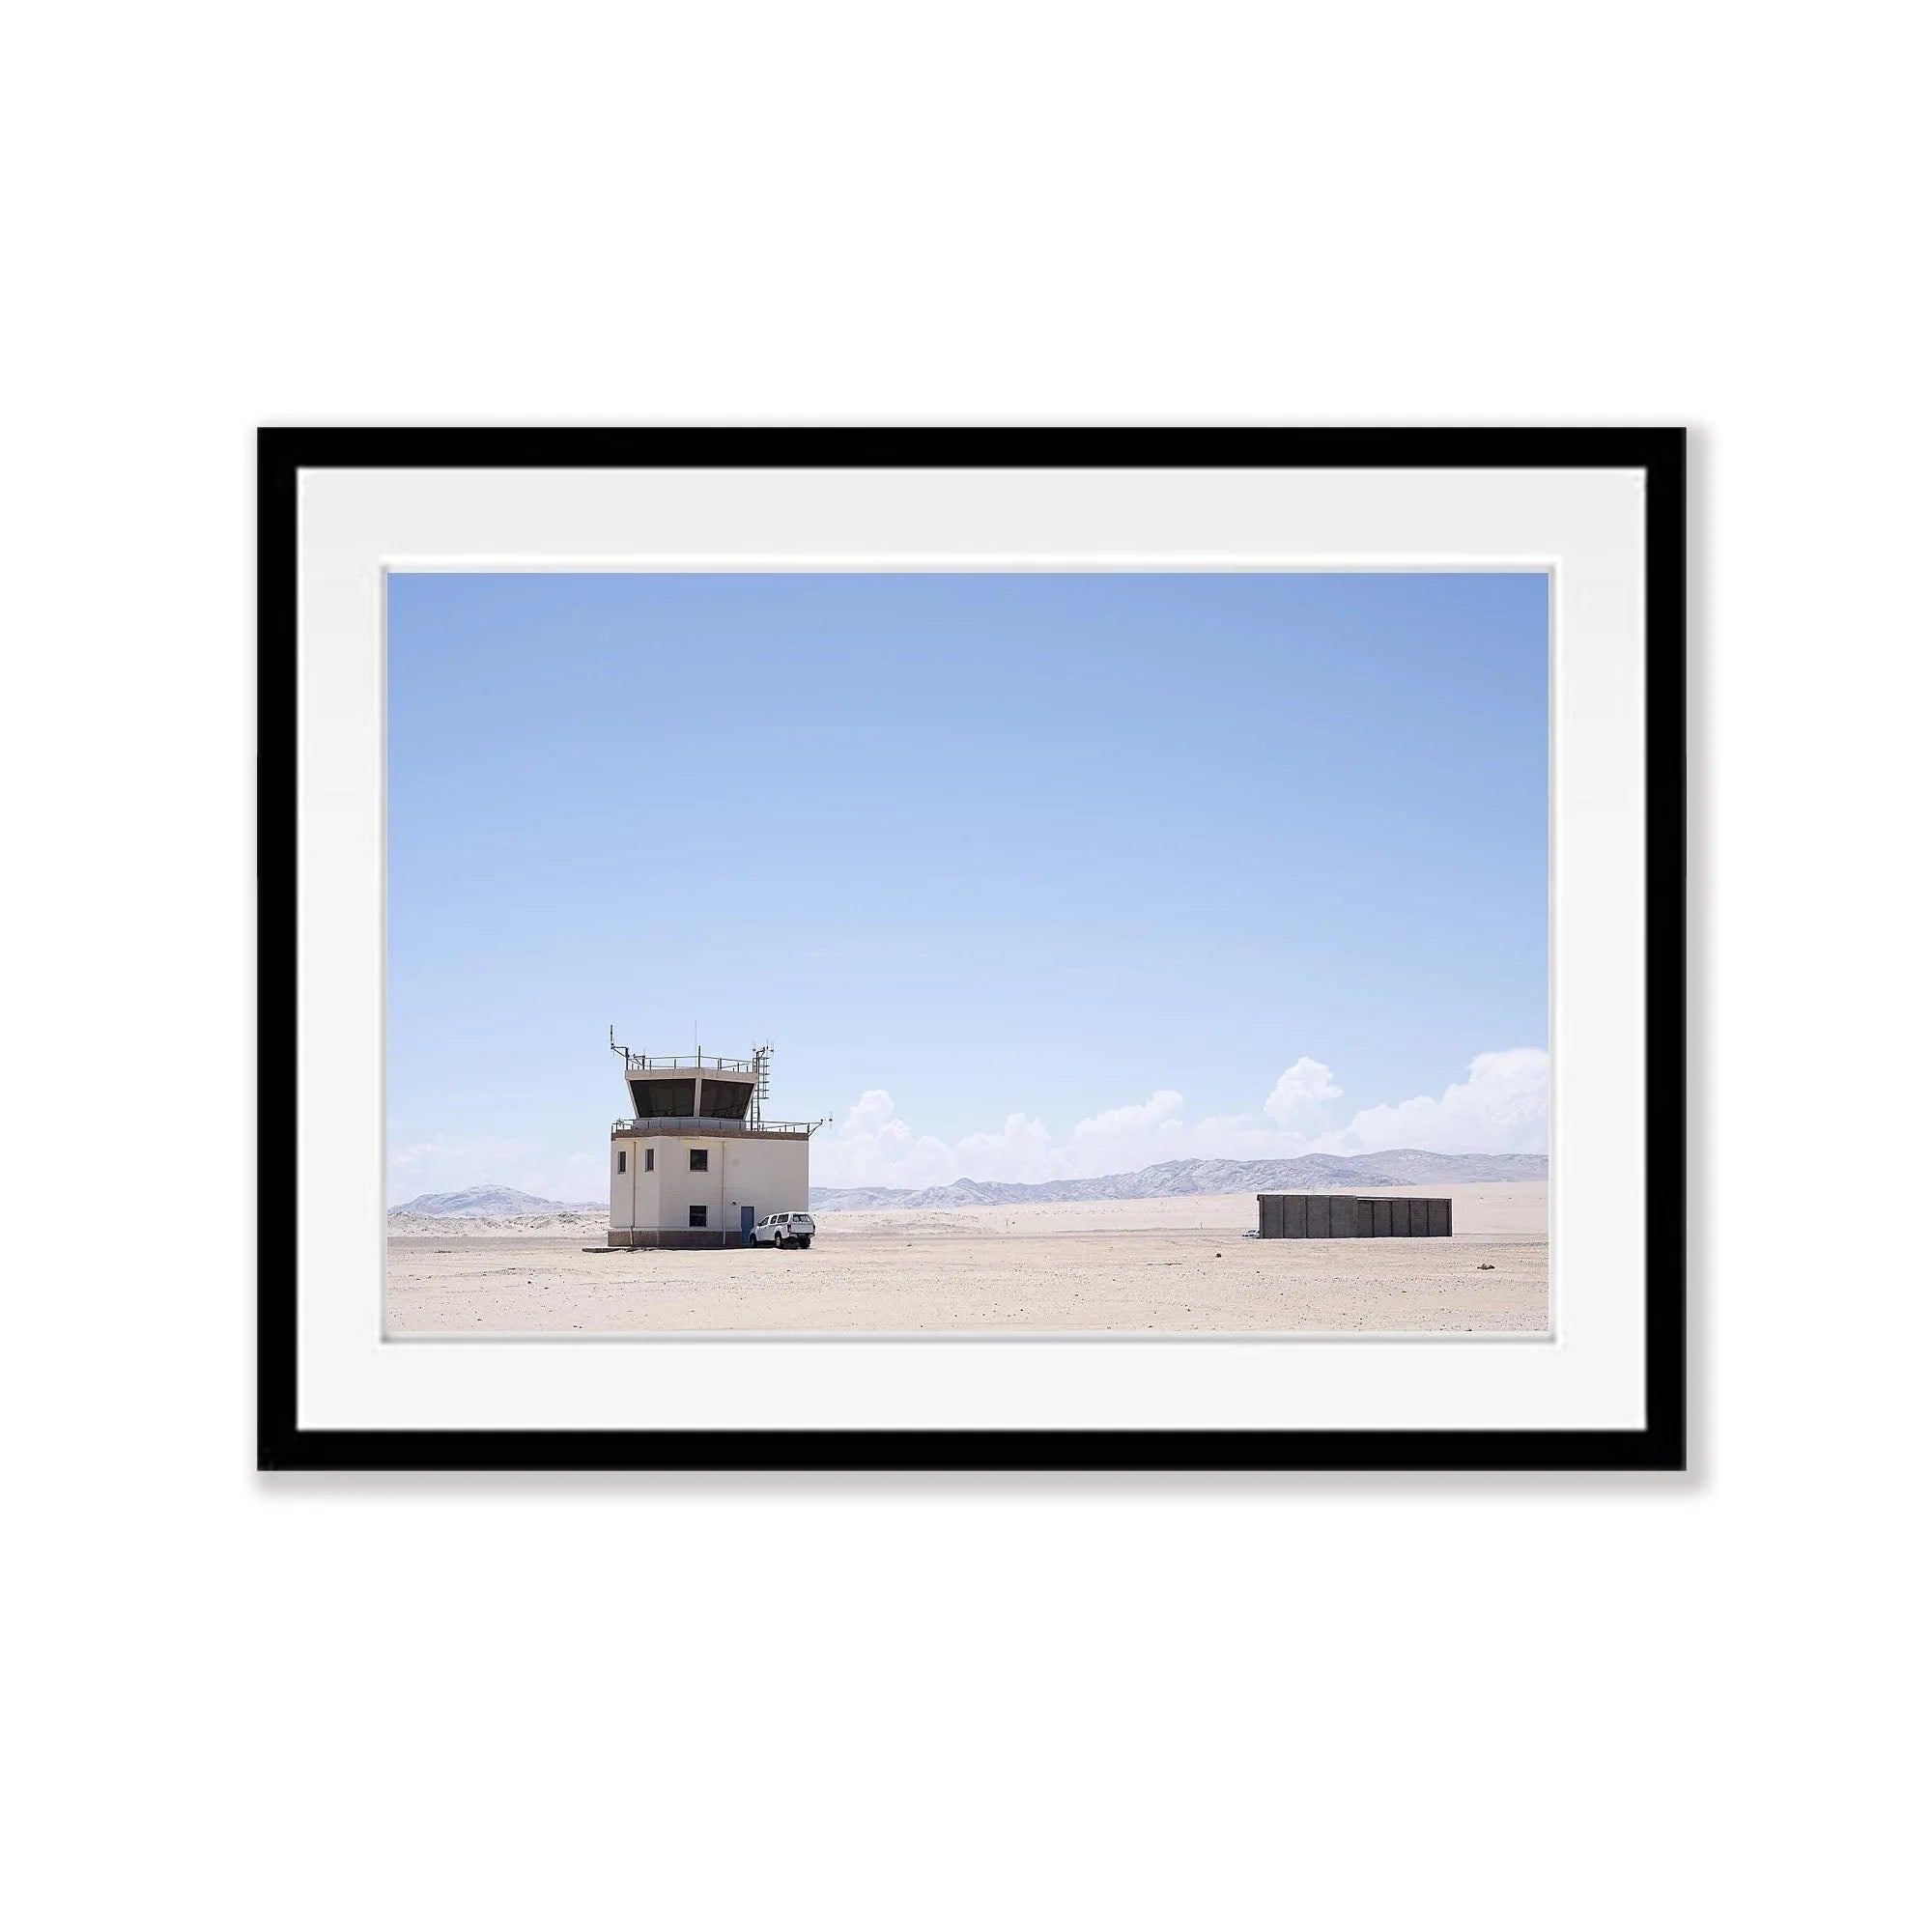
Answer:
(746, 1216)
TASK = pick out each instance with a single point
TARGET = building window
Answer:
(700, 1163)
(620, 1160)
(698, 1217)
(650, 1159)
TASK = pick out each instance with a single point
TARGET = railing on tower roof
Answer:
(684, 1063)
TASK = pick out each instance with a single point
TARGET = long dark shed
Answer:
(1327, 1217)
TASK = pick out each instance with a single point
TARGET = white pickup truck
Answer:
(783, 1231)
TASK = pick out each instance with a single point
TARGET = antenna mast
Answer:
(624, 1054)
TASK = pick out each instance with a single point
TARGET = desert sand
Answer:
(1175, 1266)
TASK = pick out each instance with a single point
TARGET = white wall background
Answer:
(1340, 1703)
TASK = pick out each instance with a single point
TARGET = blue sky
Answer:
(1041, 873)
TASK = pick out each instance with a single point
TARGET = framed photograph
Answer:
(972, 948)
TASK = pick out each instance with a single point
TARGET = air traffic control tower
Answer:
(696, 1162)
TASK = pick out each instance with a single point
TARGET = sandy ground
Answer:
(1173, 1265)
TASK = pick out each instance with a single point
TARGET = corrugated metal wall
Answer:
(1295, 1217)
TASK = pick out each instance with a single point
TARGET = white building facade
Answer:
(697, 1162)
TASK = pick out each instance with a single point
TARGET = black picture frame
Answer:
(1660, 1444)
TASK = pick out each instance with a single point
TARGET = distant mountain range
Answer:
(1311, 1173)
(489, 1200)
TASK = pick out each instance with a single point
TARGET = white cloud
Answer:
(586, 1176)
(1299, 1095)
(872, 1140)
(1502, 1107)
(1156, 1111)
(450, 1162)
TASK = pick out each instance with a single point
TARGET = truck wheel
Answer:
(804, 1241)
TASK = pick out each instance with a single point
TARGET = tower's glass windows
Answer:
(726, 1100)
(700, 1161)
(620, 1160)
(698, 1217)
(657, 1097)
